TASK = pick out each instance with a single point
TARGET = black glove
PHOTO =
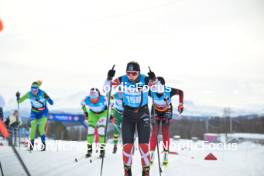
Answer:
(180, 108)
(110, 74)
(86, 115)
(111, 118)
(152, 75)
(17, 96)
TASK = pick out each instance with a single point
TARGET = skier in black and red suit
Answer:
(163, 115)
(135, 114)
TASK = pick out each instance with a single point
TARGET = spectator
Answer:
(12, 123)
(2, 104)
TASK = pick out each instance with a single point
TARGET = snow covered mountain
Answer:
(71, 104)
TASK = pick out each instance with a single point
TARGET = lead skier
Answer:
(136, 113)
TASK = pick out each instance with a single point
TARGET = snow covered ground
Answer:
(245, 159)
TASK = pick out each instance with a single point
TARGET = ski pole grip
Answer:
(17, 95)
(149, 68)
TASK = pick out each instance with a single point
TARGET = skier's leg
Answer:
(118, 119)
(153, 138)
(154, 134)
(166, 140)
(42, 126)
(165, 134)
(143, 127)
(128, 130)
(91, 127)
(96, 140)
(33, 123)
(90, 133)
(101, 124)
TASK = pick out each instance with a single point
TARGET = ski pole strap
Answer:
(107, 119)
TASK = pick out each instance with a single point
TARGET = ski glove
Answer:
(152, 75)
(110, 74)
(180, 108)
(17, 95)
(86, 115)
(50, 101)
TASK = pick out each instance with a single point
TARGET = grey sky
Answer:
(212, 49)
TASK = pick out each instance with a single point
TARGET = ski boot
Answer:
(31, 145)
(115, 148)
(152, 154)
(145, 171)
(165, 158)
(102, 151)
(127, 170)
(43, 148)
(89, 150)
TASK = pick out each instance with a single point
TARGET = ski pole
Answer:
(157, 139)
(18, 118)
(107, 119)
(21, 161)
(1, 169)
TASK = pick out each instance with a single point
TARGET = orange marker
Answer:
(1, 25)
(3, 129)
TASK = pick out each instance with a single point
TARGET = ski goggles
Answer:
(34, 89)
(133, 73)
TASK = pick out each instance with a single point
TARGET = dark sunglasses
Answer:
(133, 73)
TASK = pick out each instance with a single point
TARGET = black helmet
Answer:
(133, 66)
(161, 80)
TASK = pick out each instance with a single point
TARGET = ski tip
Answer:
(113, 67)
(76, 160)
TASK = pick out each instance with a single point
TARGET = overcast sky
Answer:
(212, 49)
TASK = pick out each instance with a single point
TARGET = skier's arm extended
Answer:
(177, 92)
(50, 101)
(84, 109)
(181, 96)
(23, 98)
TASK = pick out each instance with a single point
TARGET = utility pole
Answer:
(227, 112)
(207, 125)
